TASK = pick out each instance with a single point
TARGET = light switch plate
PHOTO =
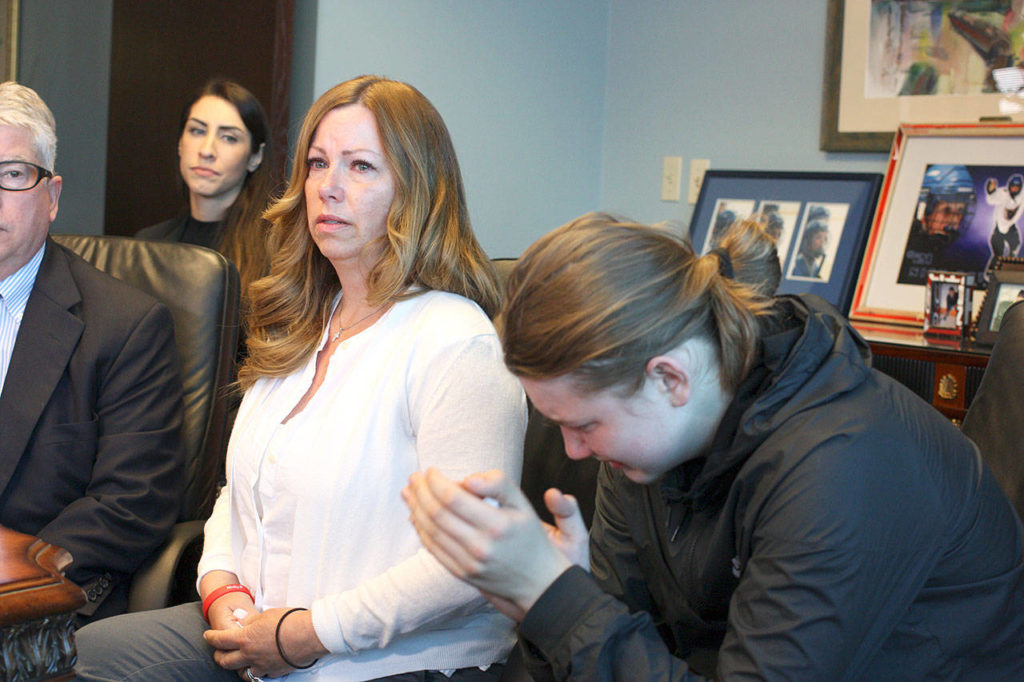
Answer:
(697, 169)
(671, 176)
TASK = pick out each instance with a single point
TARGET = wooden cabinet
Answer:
(944, 372)
(37, 604)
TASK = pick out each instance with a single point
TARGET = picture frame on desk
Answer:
(819, 220)
(944, 188)
(948, 299)
(1006, 288)
(890, 62)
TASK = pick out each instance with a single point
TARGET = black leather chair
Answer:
(545, 464)
(503, 266)
(201, 289)
(995, 419)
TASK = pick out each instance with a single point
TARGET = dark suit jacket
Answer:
(90, 417)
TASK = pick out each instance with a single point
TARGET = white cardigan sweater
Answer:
(312, 514)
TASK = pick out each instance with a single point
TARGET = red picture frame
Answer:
(883, 294)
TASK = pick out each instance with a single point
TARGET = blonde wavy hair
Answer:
(429, 243)
(598, 297)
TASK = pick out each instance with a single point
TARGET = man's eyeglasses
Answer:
(18, 176)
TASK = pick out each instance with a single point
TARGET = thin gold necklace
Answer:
(342, 330)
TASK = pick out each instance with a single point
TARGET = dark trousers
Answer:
(999, 243)
(492, 674)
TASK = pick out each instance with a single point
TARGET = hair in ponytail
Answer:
(753, 256)
(600, 296)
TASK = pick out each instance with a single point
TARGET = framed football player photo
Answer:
(952, 200)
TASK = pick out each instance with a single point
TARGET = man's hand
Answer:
(485, 531)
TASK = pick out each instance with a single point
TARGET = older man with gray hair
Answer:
(90, 386)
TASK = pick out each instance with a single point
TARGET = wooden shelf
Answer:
(944, 371)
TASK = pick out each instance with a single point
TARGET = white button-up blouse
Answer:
(312, 514)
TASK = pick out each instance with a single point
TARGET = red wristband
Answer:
(220, 592)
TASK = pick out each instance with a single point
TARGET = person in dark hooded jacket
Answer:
(764, 493)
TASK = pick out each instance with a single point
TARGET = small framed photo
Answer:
(1006, 287)
(819, 222)
(947, 303)
(952, 200)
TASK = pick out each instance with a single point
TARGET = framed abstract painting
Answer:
(893, 62)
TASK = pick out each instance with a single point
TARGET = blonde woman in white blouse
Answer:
(371, 356)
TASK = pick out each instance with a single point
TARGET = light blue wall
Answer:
(520, 85)
(558, 108)
(733, 81)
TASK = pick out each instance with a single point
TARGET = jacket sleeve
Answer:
(600, 627)
(582, 633)
(134, 493)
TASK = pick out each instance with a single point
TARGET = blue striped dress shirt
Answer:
(14, 293)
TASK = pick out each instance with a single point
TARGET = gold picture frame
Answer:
(9, 39)
(852, 121)
(833, 139)
(1005, 289)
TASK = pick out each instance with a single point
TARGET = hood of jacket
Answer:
(808, 354)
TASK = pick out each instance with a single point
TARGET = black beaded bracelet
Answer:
(277, 641)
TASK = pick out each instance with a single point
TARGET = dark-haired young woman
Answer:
(224, 157)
